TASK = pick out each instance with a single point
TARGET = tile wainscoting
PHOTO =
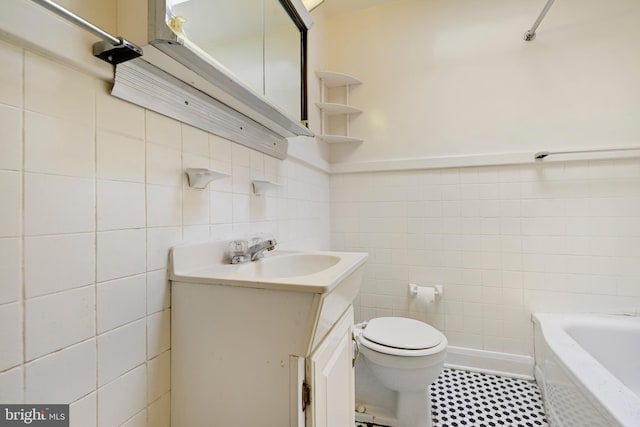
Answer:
(505, 241)
(94, 195)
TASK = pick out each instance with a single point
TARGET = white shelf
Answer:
(333, 79)
(328, 110)
(261, 187)
(333, 108)
(338, 139)
(201, 177)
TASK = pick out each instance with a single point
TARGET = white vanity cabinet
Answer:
(259, 349)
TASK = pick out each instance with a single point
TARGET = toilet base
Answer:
(380, 405)
(414, 409)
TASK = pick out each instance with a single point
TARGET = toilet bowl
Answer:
(400, 358)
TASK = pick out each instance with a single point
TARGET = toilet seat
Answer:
(402, 337)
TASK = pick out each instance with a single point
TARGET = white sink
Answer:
(288, 265)
(275, 323)
(316, 272)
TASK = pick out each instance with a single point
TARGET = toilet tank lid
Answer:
(403, 333)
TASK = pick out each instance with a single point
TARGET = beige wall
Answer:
(103, 13)
(445, 77)
(454, 77)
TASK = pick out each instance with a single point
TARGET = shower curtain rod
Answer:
(113, 50)
(531, 33)
(544, 154)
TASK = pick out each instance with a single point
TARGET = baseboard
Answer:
(490, 362)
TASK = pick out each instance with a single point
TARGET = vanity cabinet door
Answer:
(330, 376)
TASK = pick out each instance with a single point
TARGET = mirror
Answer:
(261, 42)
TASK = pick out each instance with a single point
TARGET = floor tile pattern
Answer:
(471, 399)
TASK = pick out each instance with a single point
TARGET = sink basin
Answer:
(288, 265)
(317, 272)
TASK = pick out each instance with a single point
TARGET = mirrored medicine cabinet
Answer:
(261, 42)
(249, 56)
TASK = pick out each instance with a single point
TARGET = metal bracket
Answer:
(115, 54)
(531, 33)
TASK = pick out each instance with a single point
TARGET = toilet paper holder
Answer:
(438, 290)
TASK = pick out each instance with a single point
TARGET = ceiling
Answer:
(337, 7)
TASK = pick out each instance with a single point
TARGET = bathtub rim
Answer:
(614, 400)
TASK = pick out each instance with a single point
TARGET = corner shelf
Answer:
(330, 79)
(333, 79)
(333, 108)
(338, 139)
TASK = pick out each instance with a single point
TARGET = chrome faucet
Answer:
(257, 250)
(241, 251)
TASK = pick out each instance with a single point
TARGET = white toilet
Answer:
(399, 359)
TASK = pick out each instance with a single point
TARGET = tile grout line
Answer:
(22, 231)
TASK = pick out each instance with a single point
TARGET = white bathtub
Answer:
(588, 368)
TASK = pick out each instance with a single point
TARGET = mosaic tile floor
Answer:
(461, 398)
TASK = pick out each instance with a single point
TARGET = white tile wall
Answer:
(83, 411)
(11, 386)
(10, 269)
(86, 222)
(158, 377)
(121, 350)
(158, 333)
(164, 206)
(11, 73)
(123, 398)
(62, 377)
(11, 335)
(58, 263)
(138, 420)
(58, 91)
(57, 320)
(11, 209)
(58, 146)
(121, 301)
(55, 204)
(120, 157)
(120, 253)
(118, 117)
(10, 139)
(159, 412)
(158, 291)
(120, 205)
(504, 241)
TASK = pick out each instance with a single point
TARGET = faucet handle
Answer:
(238, 247)
(239, 251)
